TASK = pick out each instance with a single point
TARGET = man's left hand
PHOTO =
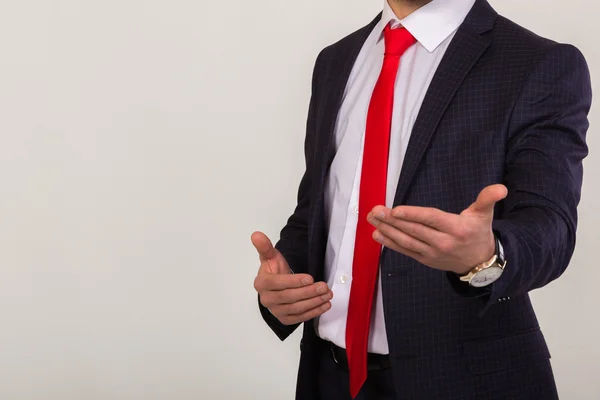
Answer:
(438, 239)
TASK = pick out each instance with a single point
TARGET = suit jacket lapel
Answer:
(466, 48)
(335, 87)
(338, 70)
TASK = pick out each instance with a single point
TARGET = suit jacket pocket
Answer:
(487, 356)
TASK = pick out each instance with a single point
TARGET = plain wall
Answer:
(141, 143)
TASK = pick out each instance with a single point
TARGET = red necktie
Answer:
(373, 182)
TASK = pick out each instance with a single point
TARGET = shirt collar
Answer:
(431, 24)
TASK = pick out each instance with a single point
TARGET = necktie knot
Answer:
(397, 41)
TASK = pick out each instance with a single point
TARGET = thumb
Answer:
(487, 199)
(263, 246)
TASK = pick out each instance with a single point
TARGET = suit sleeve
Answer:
(544, 172)
(293, 242)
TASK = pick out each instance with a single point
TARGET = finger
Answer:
(431, 217)
(266, 281)
(487, 199)
(306, 316)
(263, 246)
(291, 296)
(302, 306)
(400, 239)
(423, 233)
(389, 243)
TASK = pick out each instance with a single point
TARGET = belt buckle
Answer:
(332, 350)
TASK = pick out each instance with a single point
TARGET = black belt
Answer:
(374, 361)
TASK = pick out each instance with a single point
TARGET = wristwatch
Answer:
(488, 272)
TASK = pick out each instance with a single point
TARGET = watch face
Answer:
(486, 277)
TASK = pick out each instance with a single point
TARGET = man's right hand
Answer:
(291, 298)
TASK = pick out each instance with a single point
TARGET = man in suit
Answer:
(444, 152)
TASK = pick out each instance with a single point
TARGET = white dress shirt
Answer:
(434, 26)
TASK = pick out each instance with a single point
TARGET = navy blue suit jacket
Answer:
(505, 106)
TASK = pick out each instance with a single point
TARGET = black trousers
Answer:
(334, 381)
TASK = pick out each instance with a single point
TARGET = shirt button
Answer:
(343, 279)
(356, 210)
